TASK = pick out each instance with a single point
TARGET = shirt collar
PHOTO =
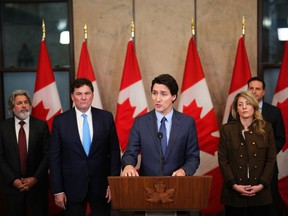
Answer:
(168, 117)
(260, 104)
(27, 120)
(79, 113)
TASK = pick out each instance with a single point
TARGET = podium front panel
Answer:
(160, 192)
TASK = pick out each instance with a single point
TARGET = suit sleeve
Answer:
(279, 131)
(133, 147)
(55, 158)
(41, 171)
(192, 160)
(115, 167)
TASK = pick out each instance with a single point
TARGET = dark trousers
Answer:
(27, 203)
(275, 207)
(98, 206)
(248, 211)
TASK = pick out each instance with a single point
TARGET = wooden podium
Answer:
(160, 193)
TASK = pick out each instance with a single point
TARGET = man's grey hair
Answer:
(12, 97)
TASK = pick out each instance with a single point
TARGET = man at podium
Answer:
(165, 138)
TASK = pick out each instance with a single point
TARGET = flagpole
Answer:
(192, 27)
(43, 30)
(243, 26)
(132, 30)
(85, 32)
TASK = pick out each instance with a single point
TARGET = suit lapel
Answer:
(72, 122)
(152, 126)
(11, 123)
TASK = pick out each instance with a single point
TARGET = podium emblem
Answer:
(159, 194)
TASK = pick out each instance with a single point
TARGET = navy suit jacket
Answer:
(72, 171)
(37, 157)
(182, 150)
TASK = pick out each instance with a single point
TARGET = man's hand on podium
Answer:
(129, 170)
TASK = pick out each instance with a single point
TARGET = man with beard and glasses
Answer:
(24, 148)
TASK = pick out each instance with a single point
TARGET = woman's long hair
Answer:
(258, 120)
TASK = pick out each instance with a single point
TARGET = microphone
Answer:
(160, 136)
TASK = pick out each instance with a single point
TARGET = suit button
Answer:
(241, 156)
(253, 143)
(255, 166)
(251, 132)
(255, 155)
(242, 144)
(240, 167)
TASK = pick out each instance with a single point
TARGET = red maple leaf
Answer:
(284, 110)
(205, 127)
(124, 121)
(40, 112)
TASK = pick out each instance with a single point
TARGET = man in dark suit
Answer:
(180, 154)
(271, 114)
(24, 179)
(79, 174)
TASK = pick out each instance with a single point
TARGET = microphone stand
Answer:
(160, 136)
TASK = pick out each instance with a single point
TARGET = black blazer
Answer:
(37, 158)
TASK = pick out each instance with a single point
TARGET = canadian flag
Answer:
(46, 102)
(195, 101)
(132, 100)
(241, 74)
(280, 100)
(85, 70)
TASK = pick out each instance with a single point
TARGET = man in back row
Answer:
(271, 114)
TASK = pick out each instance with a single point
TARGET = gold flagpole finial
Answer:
(192, 27)
(85, 32)
(243, 26)
(43, 30)
(132, 29)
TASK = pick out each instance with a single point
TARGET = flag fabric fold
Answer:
(280, 100)
(46, 102)
(132, 101)
(85, 70)
(195, 101)
(241, 74)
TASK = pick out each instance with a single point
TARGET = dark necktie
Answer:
(22, 145)
(164, 138)
(86, 135)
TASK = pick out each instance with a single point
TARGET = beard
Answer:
(23, 114)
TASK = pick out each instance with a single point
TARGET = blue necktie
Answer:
(164, 138)
(86, 135)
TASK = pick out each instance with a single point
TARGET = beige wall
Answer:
(162, 33)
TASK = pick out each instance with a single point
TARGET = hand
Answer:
(28, 182)
(108, 195)
(245, 190)
(19, 185)
(60, 200)
(179, 172)
(129, 170)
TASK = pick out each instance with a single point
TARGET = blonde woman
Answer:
(246, 156)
